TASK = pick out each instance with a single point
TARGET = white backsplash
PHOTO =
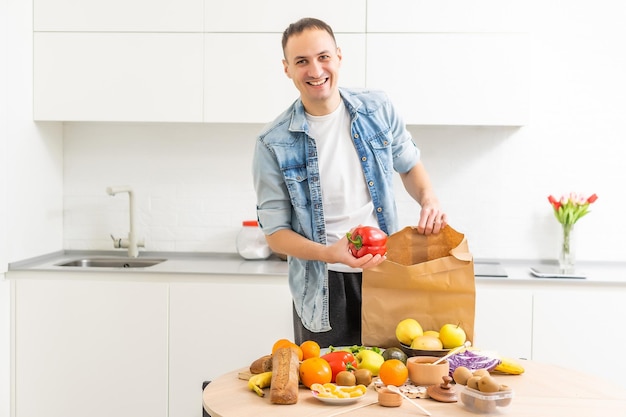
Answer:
(193, 187)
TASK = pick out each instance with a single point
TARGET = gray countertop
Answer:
(175, 263)
(486, 270)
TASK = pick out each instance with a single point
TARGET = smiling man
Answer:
(323, 167)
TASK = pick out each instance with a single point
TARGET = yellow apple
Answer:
(452, 335)
(433, 333)
(426, 343)
(407, 330)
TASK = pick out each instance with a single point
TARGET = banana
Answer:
(259, 381)
(509, 366)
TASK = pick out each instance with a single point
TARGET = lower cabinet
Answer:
(504, 321)
(220, 326)
(115, 346)
(90, 348)
(582, 330)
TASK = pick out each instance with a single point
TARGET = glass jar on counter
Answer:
(251, 243)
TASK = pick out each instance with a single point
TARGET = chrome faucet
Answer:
(132, 242)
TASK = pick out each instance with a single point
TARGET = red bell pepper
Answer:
(367, 239)
(340, 360)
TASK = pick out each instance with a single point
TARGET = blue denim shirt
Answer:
(289, 195)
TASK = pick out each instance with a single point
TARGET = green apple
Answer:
(368, 359)
(452, 335)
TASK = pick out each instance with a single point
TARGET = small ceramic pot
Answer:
(387, 398)
(422, 372)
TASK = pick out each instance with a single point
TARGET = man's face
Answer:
(312, 61)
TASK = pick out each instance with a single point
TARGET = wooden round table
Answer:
(543, 390)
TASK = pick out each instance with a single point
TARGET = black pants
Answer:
(344, 292)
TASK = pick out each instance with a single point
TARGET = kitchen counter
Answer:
(486, 270)
(176, 263)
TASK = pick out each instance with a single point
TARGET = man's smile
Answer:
(318, 83)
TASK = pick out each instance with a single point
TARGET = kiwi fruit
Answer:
(480, 372)
(345, 379)
(488, 383)
(461, 374)
(503, 402)
(484, 406)
(473, 382)
(363, 377)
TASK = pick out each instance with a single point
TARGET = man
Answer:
(320, 169)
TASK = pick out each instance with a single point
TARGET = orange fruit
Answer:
(393, 372)
(315, 371)
(310, 349)
(286, 343)
(281, 343)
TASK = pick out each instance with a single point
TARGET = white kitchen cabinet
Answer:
(582, 329)
(219, 326)
(504, 321)
(205, 61)
(249, 84)
(151, 77)
(394, 16)
(87, 347)
(453, 78)
(118, 15)
(275, 15)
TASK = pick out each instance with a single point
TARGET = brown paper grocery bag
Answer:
(428, 278)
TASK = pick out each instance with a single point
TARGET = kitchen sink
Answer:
(112, 262)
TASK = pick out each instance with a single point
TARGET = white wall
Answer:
(194, 181)
(5, 366)
(31, 191)
(34, 152)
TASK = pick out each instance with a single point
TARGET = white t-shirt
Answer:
(347, 201)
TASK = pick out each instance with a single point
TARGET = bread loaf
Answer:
(285, 377)
(262, 364)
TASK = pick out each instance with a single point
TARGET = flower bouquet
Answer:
(568, 210)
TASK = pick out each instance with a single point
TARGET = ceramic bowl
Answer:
(422, 372)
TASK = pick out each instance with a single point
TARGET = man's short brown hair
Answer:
(304, 24)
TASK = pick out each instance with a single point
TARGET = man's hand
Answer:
(341, 253)
(432, 220)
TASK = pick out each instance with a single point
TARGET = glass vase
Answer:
(567, 256)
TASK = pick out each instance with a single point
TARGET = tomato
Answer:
(315, 371)
(367, 239)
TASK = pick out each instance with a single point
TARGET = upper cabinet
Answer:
(250, 85)
(442, 61)
(451, 62)
(250, 16)
(450, 16)
(149, 77)
(118, 15)
(453, 78)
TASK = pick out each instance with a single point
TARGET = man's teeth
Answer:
(316, 83)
